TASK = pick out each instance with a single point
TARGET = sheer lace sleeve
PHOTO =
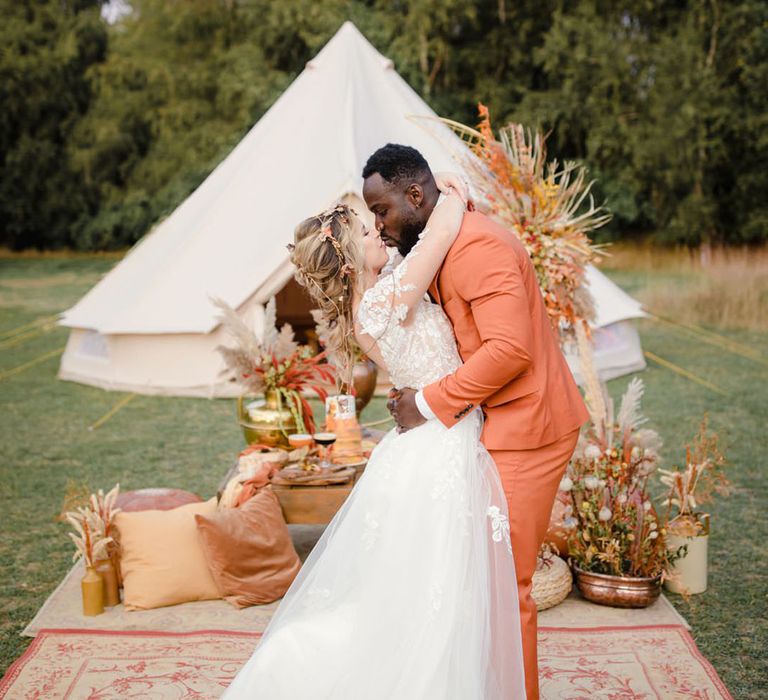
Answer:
(385, 302)
(393, 297)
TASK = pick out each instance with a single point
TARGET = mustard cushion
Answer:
(161, 559)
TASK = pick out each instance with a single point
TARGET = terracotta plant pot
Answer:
(264, 421)
(617, 591)
(364, 375)
(92, 586)
(688, 575)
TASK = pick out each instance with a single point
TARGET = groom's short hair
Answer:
(396, 163)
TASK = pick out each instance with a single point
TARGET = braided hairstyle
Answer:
(329, 260)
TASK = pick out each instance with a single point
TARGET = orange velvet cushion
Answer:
(249, 550)
(161, 560)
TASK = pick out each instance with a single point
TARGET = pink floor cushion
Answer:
(155, 499)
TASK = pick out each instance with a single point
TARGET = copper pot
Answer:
(364, 374)
(618, 591)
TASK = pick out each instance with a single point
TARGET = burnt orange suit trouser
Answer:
(530, 479)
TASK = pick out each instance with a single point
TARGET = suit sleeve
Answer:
(486, 274)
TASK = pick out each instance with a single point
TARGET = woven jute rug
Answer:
(63, 609)
(596, 664)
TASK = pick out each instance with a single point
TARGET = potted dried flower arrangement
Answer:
(91, 544)
(278, 368)
(103, 507)
(616, 540)
(688, 527)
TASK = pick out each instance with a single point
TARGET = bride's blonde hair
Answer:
(329, 259)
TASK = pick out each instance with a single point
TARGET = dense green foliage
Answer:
(106, 128)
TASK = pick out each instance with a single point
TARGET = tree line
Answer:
(105, 128)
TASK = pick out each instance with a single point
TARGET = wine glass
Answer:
(325, 440)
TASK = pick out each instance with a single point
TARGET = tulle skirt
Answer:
(410, 593)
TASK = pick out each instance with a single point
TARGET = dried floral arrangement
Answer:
(93, 525)
(549, 206)
(612, 525)
(275, 363)
(688, 488)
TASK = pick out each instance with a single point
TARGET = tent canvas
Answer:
(149, 325)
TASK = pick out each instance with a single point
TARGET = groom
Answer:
(513, 367)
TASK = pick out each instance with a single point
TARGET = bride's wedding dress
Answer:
(410, 593)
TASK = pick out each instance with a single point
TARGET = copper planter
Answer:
(617, 591)
(364, 374)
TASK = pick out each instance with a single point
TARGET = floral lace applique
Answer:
(500, 525)
(435, 597)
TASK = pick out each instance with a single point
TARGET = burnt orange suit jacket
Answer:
(513, 366)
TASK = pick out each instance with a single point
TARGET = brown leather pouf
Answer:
(155, 499)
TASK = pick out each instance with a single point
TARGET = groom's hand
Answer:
(402, 406)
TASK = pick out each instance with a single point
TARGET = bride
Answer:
(410, 593)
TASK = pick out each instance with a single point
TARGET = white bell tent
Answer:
(149, 325)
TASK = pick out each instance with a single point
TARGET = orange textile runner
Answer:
(575, 664)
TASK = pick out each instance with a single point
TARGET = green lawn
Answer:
(189, 443)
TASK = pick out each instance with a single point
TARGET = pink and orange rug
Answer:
(609, 663)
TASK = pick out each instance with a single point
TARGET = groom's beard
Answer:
(409, 236)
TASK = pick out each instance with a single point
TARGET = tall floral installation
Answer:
(612, 526)
(548, 205)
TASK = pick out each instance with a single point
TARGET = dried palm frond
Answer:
(269, 337)
(285, 344)
(630, 418)
(247, 341)
(594, 391)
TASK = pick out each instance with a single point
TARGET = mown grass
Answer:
(189, 443)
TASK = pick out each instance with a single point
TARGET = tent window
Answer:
(93, 345)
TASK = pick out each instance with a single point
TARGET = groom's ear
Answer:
(414, 194)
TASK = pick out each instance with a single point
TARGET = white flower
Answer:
(591, 482)
(646, 506)
(566, 484)
(568, 510)
(570, 523)
(653, 525)
(621, 499)
(635, 452)
(604, 514)
(653, 535)
(592, 452)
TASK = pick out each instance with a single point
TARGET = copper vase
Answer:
(617, 591)
(364, 375)
(106, 569)
(92, 586)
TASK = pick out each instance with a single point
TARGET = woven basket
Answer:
(551, 584)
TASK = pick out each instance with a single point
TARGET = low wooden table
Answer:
(312, 505)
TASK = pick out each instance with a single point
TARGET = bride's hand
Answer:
(453, 182)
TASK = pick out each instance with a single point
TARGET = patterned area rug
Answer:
(626, 663)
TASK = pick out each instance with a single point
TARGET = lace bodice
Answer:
(418, 351)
